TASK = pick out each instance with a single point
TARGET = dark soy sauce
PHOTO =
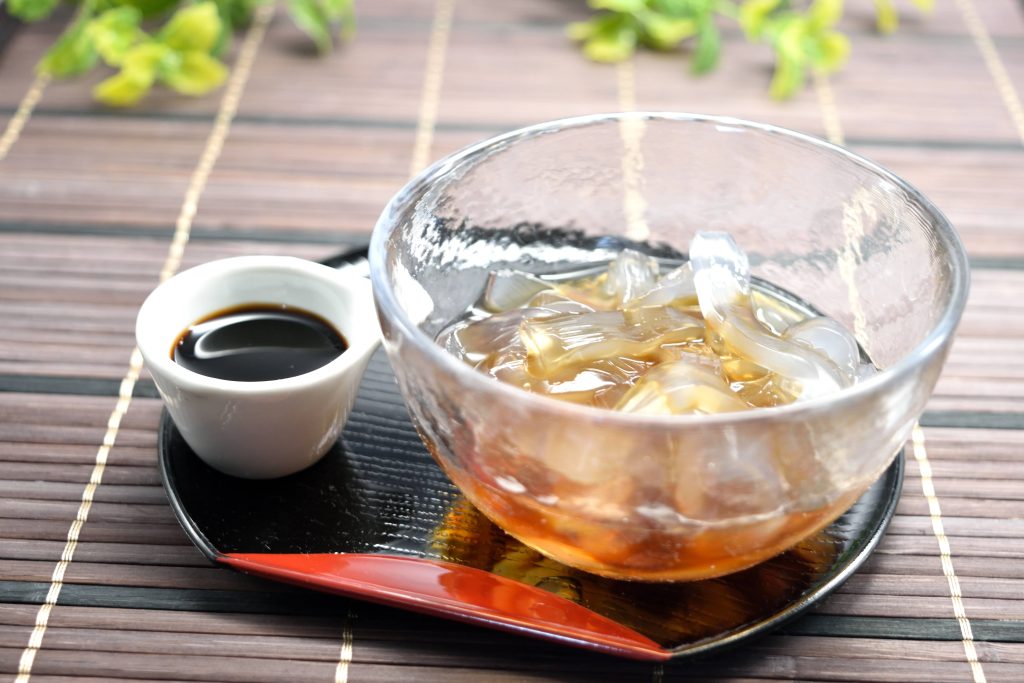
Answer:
(257, 343)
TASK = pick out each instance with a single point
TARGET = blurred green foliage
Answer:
(178, 43)
(174, 43)
(802, 34)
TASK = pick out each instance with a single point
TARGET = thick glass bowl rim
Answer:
(891, 377)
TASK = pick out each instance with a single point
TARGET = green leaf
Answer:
(149, 8)
(694, 8)
(114, 32)
(309, 16)
(662, 32)
(236, 13)
(791, 39)
(788, 78)
(122, 89)
(833, 51)
(613, 42)
(886, 17)
(624, 6)
(340, 12)
(825, 13)
(336, 10)
(226, 10)
(31, 10)
(139, 69)
(581, 30)
(672, 8)
(233, 14)
(72, 54)
(197, 74)
(610, 50)
(753, 14)
(150, 57)
(709, 46)
(194, 27)
(726, 8)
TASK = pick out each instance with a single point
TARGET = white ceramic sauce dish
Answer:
(261, 429)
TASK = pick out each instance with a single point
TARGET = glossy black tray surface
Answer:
(378, 494)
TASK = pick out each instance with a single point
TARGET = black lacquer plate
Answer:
(378, 520)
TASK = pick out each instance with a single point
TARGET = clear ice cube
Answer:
(506, 289)
(828, 337)
(602, 383)
(681, 388)
(631, 276)
(722, 279)
(474, 340)
(558, 344)
(556, 302)
(675, 286)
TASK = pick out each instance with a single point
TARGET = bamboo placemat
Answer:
(297, 156)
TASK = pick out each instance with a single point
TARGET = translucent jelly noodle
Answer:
(694, 340)
(638, 337)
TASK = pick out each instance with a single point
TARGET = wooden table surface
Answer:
(297, 155)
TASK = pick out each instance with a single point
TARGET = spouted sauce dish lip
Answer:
(257, 342)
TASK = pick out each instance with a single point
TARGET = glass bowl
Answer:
(650, 497)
